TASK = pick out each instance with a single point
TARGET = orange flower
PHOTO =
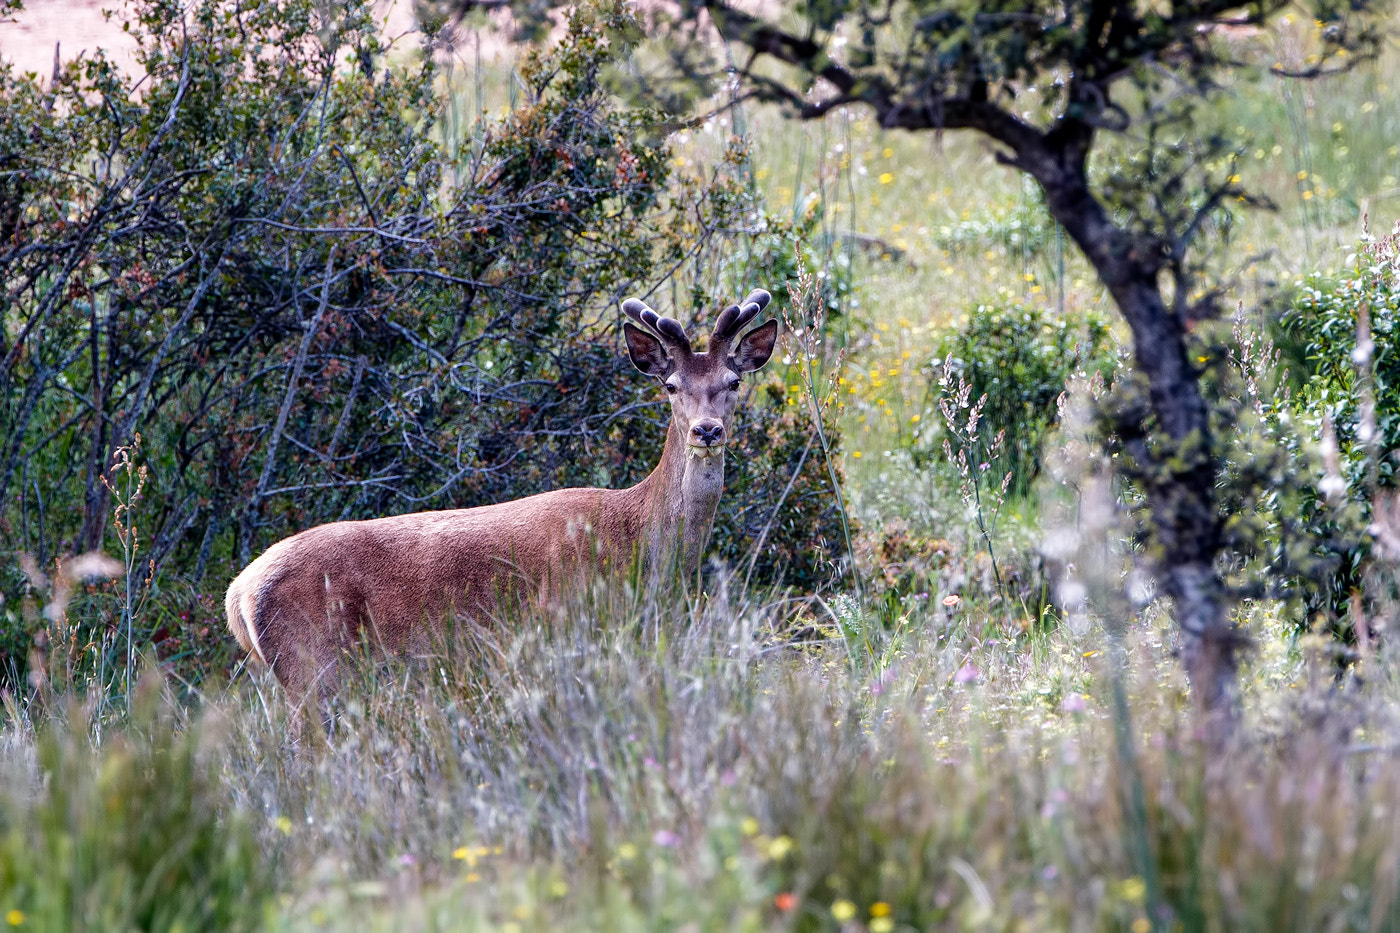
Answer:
(952, 600)
(785, 901)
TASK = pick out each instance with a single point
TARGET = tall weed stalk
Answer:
(806, 329)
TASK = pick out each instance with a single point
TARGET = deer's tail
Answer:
(240, 605)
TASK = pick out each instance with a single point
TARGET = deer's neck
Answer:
(681, 499)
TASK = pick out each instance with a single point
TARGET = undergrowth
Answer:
(652, 761)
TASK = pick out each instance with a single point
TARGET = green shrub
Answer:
(1318, 330)
(1339, 331)
(1019, 357)
(131, 834)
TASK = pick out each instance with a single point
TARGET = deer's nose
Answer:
(708, 432)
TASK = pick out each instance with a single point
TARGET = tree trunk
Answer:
(1181, 475)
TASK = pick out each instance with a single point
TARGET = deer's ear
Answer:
(646, 351)
(756, 347)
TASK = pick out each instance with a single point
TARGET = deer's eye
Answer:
(671, 388)
(734, 384)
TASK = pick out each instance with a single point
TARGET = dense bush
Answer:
(1019, 357)
(1338, 334)
(1321, 327)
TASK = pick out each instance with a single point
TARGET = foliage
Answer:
(1339, 332)
(1022, 228)
(132, 833)
(1014, 362)
(1343, 331)
(792, 533)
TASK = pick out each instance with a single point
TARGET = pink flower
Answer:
(1073, 703)
(966, 674)
(666, 839)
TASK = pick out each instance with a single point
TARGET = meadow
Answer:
(930, 737)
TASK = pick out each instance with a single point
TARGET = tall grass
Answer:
(648, 761)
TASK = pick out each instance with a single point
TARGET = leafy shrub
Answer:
(1320, 330)
(1023, 226)
(1019, 357)
(1340, 332)
(132, 835)
(788, 531)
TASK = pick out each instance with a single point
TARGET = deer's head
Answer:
(703, 387)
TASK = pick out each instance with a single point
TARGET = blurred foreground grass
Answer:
(645, 763)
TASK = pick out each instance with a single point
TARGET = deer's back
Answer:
(393, 580)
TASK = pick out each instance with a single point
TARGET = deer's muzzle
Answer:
(700, 452)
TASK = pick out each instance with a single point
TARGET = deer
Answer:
(392, 583)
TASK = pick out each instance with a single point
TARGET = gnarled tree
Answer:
(1056, 86)
(1051, 84)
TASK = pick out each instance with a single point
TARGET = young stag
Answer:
(391, 582)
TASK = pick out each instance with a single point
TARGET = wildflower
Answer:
(856, 454)
(749, 827)
(779, 848)
(886, 178)
(966, 674)
(14, 918)
(785, 901)
(879, 909)
(951, 600)
(843, 910)
(627, 851)
(1133, 890)
(666, 839)
(882, 925)
(465, 854)
(284, 825)
(888, 153)
(1073, 703)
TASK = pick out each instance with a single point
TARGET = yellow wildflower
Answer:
(779, 848)
(843, 910)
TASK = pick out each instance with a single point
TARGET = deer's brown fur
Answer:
(392, 581)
